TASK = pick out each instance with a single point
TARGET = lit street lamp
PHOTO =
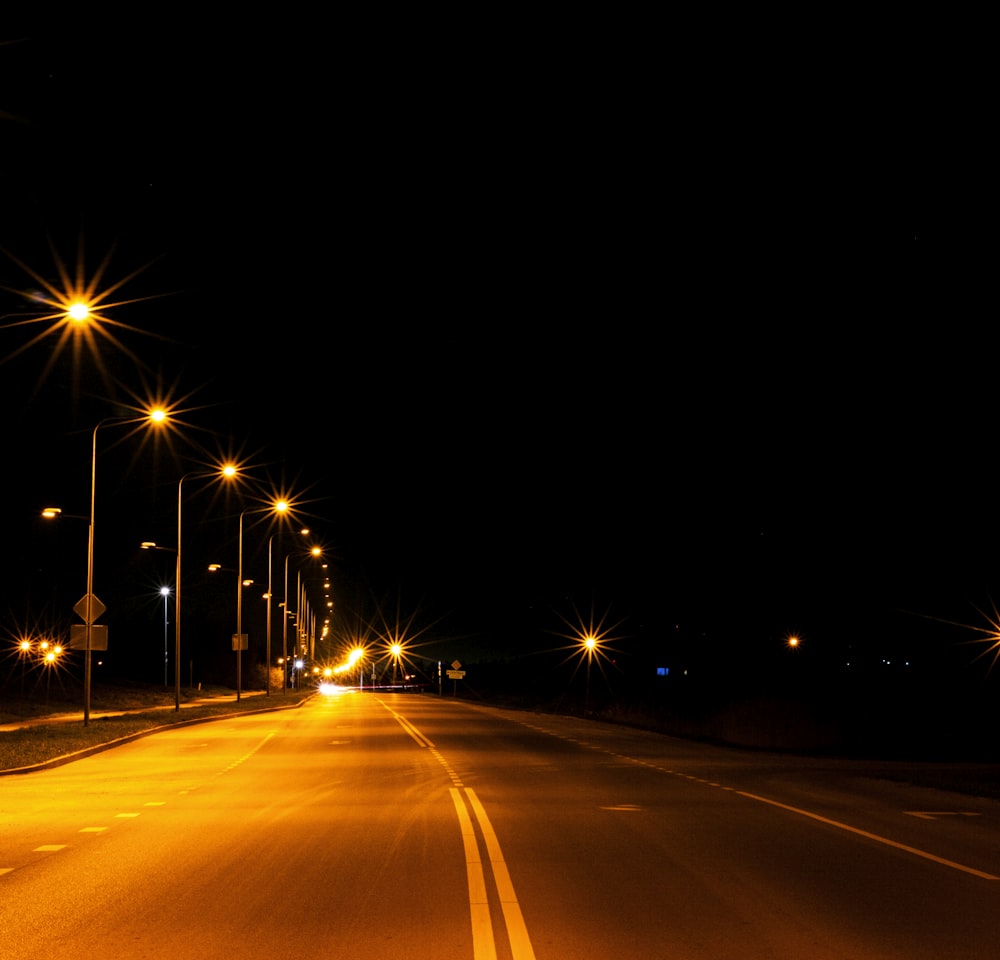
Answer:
(240, 584)
(165, 593)
(227, 472)
(315, 552)
(280, 507)
(589, 643)
(395, 651)
(90, 605)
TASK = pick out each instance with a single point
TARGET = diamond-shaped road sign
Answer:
(95, 605)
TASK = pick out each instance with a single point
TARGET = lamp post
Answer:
(227, 472)
(92, 610)
(267, 655)
(280, 507)
(395, 651)
(165, 593)
(315, 552)
(589, 643)
(239, 613)
(240, 584)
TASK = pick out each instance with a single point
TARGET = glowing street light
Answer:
(314, 551)
(50, 656)
(395, 651)
(281, 506)
(227, 471)
(165, 593)
(90, 607)
(78, 312)
(589, 646)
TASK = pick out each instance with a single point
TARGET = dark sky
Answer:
(545, 317)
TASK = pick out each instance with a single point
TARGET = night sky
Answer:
(547, 320)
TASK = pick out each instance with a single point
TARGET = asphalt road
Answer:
(397, 826)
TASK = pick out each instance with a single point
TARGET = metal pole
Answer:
(284, 632)
(165, 654)
(239, 613)
(90, 581)
(267, 669)
(177, 604)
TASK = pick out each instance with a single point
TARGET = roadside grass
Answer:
(57, 731)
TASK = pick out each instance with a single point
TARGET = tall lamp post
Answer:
(589, 644)
(280, 507)
(91, 607)
(239, 613)
(165, 593)
(226, 472)
(240, 584)
(314, 552)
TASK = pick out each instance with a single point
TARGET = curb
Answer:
(119, 741)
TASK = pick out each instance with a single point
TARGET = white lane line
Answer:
(93, 830)
(934, 814)
(872, 836)
(517, 932)
(483, 945)
(4, 870)
(835, 823)
(49, 848)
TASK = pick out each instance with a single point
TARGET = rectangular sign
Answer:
(98, 636)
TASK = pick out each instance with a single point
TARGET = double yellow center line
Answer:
(483, 941)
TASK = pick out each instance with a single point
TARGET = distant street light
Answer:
(240, 584)
(395, 651)
(50, 656)
(589, 644)
(165, 593)
(314, 551)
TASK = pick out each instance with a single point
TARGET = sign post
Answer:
(454, 674)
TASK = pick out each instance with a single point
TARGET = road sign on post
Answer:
(454, 676)
(240, 641)
(78, 636)
(88, 612)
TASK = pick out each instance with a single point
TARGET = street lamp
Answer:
(395, 651)
(356, 659)
(226, 472)
(315, 552)
(589, 644)
(165, 593)
(240, 584)
(91, 609)
(280, 507)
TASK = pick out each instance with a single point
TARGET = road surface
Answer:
(396, 826)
